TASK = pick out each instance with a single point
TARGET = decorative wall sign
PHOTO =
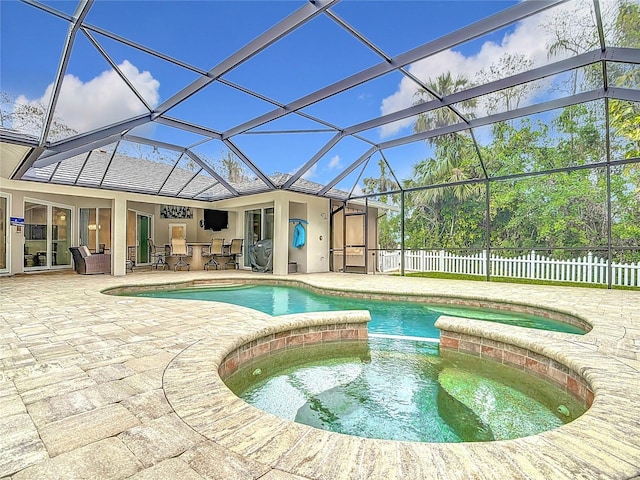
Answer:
(175, 211)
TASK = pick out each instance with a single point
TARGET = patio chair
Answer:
(179, 249)
(87, 264)
(158, 255)
(130, 262)
(216, 249)
(235, 251)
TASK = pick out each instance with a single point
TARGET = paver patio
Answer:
(108, 387)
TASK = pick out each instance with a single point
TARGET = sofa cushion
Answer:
(84, 250)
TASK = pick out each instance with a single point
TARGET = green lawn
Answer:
(481, 278)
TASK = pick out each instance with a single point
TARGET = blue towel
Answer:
(299, 236)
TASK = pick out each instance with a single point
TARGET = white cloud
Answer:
(335, 162)
(102, 100)
(309, 174)
(527, 38)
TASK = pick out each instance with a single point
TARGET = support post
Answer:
(402, 233)
(487, 233)
(119, 236)
(281, 235)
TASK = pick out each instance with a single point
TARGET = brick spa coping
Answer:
(523, 359)
(590, 444)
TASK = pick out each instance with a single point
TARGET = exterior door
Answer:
(252, 231)
(138, 232)
(348, 240)
(258, 225)
(47, 236)
(143, 228)
(355, 252)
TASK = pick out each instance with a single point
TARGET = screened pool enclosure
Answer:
(479, 129)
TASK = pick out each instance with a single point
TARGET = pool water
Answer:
(402, 390)
(392, 386)
(397, 318)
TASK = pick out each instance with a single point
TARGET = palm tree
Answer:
(454, 160)
(451, 149)
(443, 85)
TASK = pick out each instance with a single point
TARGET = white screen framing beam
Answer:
(482, 27)
(212, 172)
(83, 143)
(301, 171)
(78, 17)
(53, 152)
(201, 163)
(613, 54)
(475, 123)
(281, 29)
(259, 173)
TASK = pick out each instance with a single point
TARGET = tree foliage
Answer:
(28, 117)
(231, 168)
(446, 199)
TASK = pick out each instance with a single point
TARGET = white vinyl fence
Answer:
(587, 269)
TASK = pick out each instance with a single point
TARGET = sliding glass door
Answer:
(252, 222)
(47, 236)
(95, 229)
(4, 233)
(258, 225)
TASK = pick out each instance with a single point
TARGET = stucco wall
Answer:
(314, 257)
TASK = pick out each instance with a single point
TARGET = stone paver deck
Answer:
(107, 387)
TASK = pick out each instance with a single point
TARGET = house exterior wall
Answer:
(78, 197)
(313, 257)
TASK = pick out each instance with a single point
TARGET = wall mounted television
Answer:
(215, 220)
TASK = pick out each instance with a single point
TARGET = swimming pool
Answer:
(397, 385)
(395, 318)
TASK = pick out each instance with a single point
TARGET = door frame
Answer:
(246, 263)
(6, 227)
(49, 235)
(97, 230)
(341, 248)
(133, 250)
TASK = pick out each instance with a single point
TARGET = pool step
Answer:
(404, 337)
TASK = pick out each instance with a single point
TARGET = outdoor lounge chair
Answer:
(88, 264)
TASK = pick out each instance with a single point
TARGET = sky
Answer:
(204, 33)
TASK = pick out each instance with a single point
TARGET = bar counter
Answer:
(194, 256)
